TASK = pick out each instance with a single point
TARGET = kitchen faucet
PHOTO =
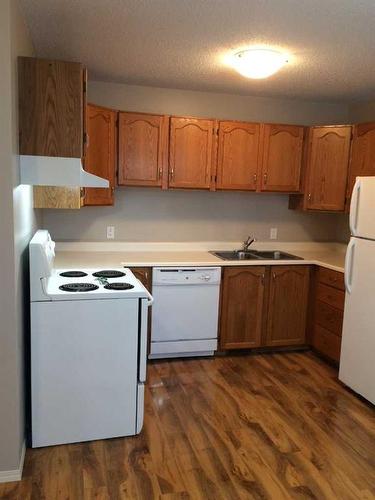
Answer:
(247, 243)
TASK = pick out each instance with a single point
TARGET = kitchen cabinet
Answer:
(100, 158)
(287, 308)
(327, 313)
(238, 155)
(362, 162)
(264, 306)
(257, 157)
(52, 94)
(143, 149)
(282, 158)
(326, 163)
(144, 275)
(190, 153)
(242, 306)
(58, 197)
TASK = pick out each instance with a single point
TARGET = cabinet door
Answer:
(328, 159)
(100, 156)
(282, 158)
(238, 155)
(287, 310)
(190, 154)
(362, 161)
(144, 275)
(242, 307)
(51, 96)
(142, 149)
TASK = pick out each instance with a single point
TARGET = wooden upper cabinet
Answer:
(242, 304)
(238, 155)
(143, 147)
(51, 107)
(362, 161)
(282, 158)
(52, 101)
(327, 167)
(190, 153)
(288, 300)
(100, 158)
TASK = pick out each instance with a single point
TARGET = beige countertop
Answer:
(75, 255)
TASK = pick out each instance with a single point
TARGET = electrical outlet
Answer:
(273, 233)
(110, 232)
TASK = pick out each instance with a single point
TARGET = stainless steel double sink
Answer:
(254, 255)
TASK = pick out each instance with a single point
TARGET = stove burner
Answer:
(119, 286)
(73, 274)
(108, 273)
(78, 287)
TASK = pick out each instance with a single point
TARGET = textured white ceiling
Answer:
(181, 43)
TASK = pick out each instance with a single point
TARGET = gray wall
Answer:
(155, 215)
(362, 111)
(16, 227)
(212, 105)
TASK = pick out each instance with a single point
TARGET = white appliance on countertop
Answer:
(186, 310)
(357, 361)
(88, 350)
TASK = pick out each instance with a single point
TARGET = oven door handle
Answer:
(143, 334)
(150, 298)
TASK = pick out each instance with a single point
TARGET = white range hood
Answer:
(55, 171)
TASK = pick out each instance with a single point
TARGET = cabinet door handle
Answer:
(265, 175)
(274, 275)
(309, 197)
(160, 173)
(171, 174)
(262, 279)
(255, 177)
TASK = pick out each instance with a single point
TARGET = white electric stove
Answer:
(88, 350)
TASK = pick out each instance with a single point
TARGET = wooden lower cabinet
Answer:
(264, 306)
(242, 306)
(144, 275)
(287, 307)
(328, 312)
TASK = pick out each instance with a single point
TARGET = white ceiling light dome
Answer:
(258, 63)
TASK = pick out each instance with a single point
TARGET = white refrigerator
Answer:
(357, 362)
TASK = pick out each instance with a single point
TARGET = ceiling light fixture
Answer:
(258, 63)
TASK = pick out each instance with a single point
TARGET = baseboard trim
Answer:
(7, 476)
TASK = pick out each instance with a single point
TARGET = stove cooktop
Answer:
(66, 284)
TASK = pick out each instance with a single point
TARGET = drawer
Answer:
(329, 317)
(331, 296)
(331, 278)
(327, 343)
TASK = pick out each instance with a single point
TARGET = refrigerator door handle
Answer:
(348, 271)
(354, 205)
(143, 341)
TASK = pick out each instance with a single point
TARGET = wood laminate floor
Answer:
(266, 426)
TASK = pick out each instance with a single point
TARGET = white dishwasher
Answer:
(185, 311)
